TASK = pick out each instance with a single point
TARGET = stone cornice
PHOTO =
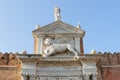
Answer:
(47, 34)
(111, 66)
(38, 57)
(58, 63)
(5, 67)
(28, 59)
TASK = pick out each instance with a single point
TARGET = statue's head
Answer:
(48, 41)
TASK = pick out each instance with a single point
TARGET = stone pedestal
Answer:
(59, 68)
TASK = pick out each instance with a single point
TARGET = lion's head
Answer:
(48, 41)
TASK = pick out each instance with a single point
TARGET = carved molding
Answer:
(58, 63)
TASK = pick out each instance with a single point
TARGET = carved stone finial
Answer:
(24, 52)
(37, 26)
(57, 13)
(78, 26)
(93, 51)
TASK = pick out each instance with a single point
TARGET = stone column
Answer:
(35, 45)
(77, 44)
(40, 42)
(81, 46)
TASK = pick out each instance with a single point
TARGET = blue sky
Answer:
(99, 18)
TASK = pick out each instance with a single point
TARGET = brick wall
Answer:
(112, 73)
(10, 67)
(109, 66)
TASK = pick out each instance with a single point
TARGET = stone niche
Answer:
(61, 33)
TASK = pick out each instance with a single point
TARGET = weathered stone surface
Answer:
(62, 33)
(10, 67)
(107, 67)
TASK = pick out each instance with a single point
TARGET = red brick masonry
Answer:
(10, 67)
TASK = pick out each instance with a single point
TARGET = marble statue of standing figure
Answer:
(57, 13)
